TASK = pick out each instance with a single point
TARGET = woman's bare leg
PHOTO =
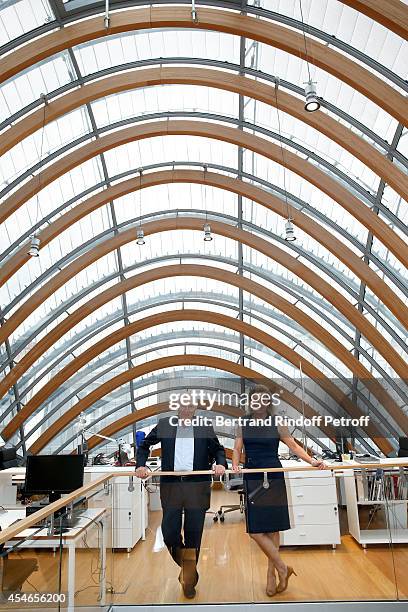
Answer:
(271, 584)
(267, 545)
(275, 537)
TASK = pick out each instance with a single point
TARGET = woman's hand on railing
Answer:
(236, 468)
(218, 469)
(142, 472)
(319, 463)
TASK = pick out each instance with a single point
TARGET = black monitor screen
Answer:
(54, 473)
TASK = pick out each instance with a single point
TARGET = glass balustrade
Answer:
(347, 541)
(62, 559)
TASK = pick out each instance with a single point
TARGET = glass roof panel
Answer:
(293, 69)
(29, 85)
(135, 47)
(138, 49)
(350, 26)
(37, 147)
(20, 16)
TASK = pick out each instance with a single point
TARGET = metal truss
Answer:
(300, 295)
(373, 200)
(147, 381)
(223, 302)
(367, 252)
(211, 299)
(295, 202)
(108, 359)
(56, 356)
(64, 17)
(334, 172)
(335, 275)
(85, 335)
(384, 419)
(249, 71)
(58, 13)
(150, 420)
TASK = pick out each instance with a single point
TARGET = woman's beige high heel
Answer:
(283, 584)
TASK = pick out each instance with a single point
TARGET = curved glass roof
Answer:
(351, 34)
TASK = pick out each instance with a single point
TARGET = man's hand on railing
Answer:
(142, 472)
(218, 469)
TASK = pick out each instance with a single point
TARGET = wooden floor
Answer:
(232, 569)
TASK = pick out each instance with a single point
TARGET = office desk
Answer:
(69, 540)
(130, 506)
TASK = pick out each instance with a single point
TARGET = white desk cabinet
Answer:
(129, 508)
(313, 510)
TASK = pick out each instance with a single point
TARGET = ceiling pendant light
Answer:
(35, 241)
(194, 15)
(312, 103)
(140, 232)
(106, 19)
(289, 228)
(34, 250)
(289, 231)
(207, 227)
(140, 237)
(207, 232)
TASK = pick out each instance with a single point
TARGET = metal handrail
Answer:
(301, 468)
(13, 531)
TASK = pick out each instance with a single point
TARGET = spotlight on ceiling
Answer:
(207, 233)
(289, 231)
(34, 250)
(140, 237)
(312, 103)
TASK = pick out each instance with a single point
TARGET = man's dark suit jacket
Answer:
(207, 448)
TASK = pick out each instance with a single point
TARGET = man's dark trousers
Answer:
(184, 496)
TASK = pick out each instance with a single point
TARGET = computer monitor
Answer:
(54, 474)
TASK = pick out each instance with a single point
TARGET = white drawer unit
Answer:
(313, 511)
(325, 514)
(309, 494)
(316, 477)
(310, 535)
(129, 507)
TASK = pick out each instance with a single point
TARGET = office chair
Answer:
(403, 447)
(235, 484)
(8, 457)
(14, 572)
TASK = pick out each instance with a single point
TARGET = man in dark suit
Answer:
(184, 447)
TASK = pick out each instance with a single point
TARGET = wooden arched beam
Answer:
(392, 14)
(201, 360)
(190, 223)
(221, 181)
(223, 133)
(264, 31)
(225, 276)
(179, 315)
(145, 413)
(239, 84)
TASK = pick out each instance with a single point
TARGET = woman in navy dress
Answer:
(266, 509)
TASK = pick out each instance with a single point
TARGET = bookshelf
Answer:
(385, 491)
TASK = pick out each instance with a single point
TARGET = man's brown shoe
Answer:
(189, 575)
